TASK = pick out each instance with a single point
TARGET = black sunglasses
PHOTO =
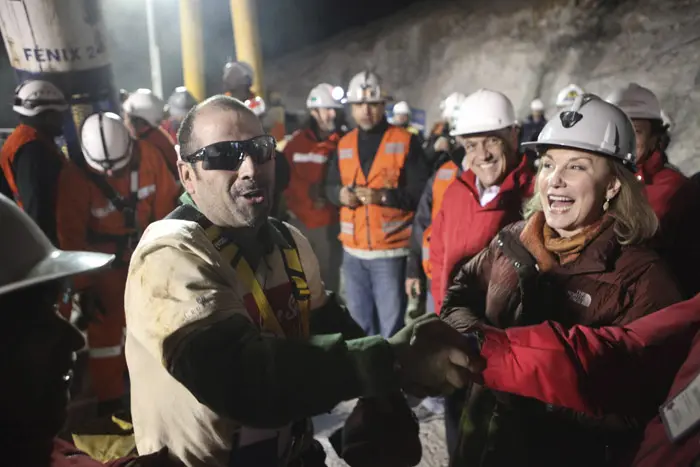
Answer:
(229, 155)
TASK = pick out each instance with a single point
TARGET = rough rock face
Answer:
(525, 49)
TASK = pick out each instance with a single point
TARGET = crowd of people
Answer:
(532, 280)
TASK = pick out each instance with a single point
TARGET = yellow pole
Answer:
(244, 18)
(192, 48)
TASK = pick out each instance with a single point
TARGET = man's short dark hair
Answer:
(185, 137)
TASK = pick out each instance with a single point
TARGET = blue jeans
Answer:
(375, 293)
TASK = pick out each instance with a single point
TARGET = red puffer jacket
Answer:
(463, 227)
(630, 370)
(676, 202)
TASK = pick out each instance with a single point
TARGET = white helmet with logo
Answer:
(180, 102)
(143, 104)
(366, 87)
(33, 97)
(450, 105)
(238, 74)
(637, 102)
(28, 258)
(568, 95)
(321, 97)
(483, 111)
(106, 142)
(537, 105)
(402, 108)
(591, 125)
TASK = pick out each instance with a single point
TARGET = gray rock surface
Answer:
(525, 49)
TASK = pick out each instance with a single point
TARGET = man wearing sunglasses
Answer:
(232, 343)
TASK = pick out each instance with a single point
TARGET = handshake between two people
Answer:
(434, 358)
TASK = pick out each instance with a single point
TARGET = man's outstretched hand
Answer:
(434, 358)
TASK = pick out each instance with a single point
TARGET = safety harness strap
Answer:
(127, 206)
(232, 254)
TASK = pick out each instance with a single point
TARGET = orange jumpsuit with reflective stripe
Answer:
(375, 227)
(308, 158)
(87, 220)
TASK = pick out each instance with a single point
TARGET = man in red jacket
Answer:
(487, 196)
(674, 197)
(38, 347)
(628, 371)
(308, 152)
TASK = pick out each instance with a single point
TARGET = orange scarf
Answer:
(567, 249)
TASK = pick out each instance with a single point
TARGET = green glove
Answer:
(434, 359)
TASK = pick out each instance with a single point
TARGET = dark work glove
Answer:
(381, 432)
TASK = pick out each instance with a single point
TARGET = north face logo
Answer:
(582, 298)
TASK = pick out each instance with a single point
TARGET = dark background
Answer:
(284, 26)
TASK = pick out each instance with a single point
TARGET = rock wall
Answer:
(525, 49)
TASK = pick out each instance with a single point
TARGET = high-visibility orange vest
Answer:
(308, 159)
(375, 227)
(443, 179)
(22, 135)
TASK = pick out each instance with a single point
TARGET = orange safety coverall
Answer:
(87, 220)
(165, 145)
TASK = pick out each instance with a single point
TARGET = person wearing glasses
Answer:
(232, 343)
(103, 207)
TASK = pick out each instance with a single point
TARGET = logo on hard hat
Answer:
(569, 119)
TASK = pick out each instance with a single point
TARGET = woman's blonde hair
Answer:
(635, 220)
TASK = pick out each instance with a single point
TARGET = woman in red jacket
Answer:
(579, 258)
(632, 370)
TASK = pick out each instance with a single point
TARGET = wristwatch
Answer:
(384, 198)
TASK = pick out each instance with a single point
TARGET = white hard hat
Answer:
(537, 105)
(402, 108)
(591, 125)
(483, 111)
(450, 105)
(366, 87)
(106, 142)
(28, 258)
(637, 102)
(180, 102)
(238, 74)
(144, 104)
(568, 95)
(257, 105)
(33, 97)
(322, 97)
